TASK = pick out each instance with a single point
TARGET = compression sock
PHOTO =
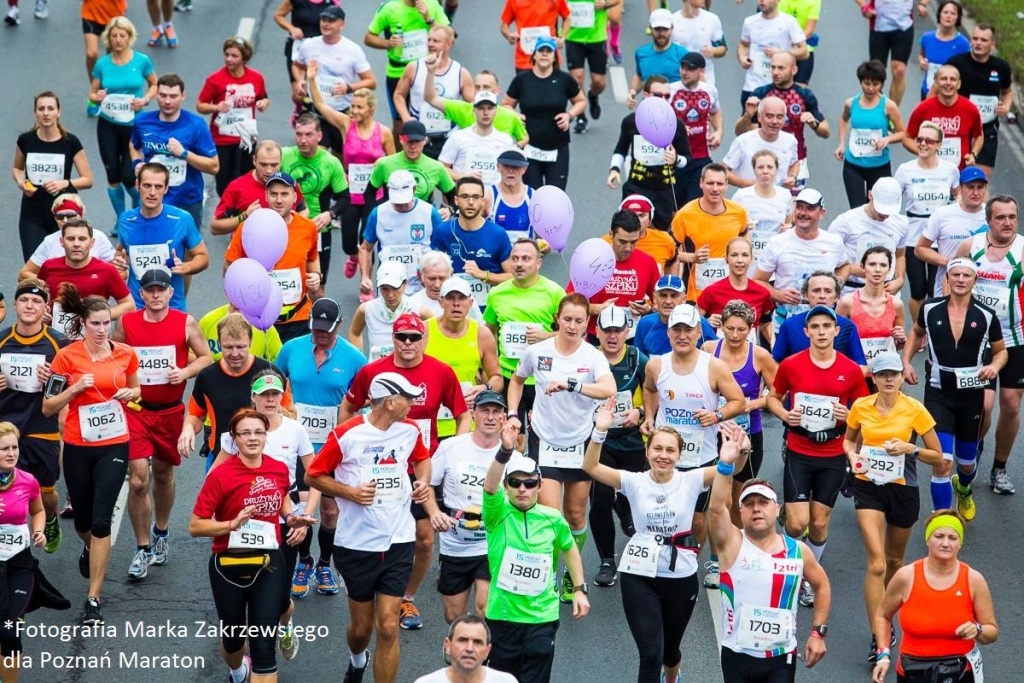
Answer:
(816, 549)
(967, 453)
(359, 661)
(305, 556)
(579, 536)
(325, 537)
(134, 194)
(942, 493)
(614, 31)
(116, 196)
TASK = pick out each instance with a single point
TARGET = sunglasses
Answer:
(528, 483)
(406, 338)
(930, 141)
(662, 95)
(66, 216)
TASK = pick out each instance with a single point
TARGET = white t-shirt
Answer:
(563, 418)
(287, 444)
(665, 510)
(490, 676)
(947, 228)
(781, 32)
(694, 34)
(469, 152)
(50, 248)
(894, 15)
(924, 191)
(792, 259)
(859, 232)
(343, 61)
(741, 153)
(766, 214)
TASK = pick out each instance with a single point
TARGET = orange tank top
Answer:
(929, 618)
(868, 326)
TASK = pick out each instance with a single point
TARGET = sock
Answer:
(358, 660)
(942, 493)
(713, 557)
(816, 550)
(967, 456)
(998, 465)
(166, 25)
(409, 598)
(325, 537)
(158, 27)
(144, 547)
(305, 556)
(134, 194)
(580, 537)
(614, 31)
(159, 532)
(238, 675)
(116, 197)
(966, 477)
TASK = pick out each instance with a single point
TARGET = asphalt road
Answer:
(47, 55)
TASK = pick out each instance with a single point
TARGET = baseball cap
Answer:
(155, 276)
(391, 273)
(613, 316)
(280, 177)
(521, 463)
(455, 284)
(693, 60)
(546, 42)
(485, 97)
(887, 361)
(811, 197)
(759, 490)
(414, 130)
(408, 322)
(887, 196)
(971, 174)
(401, 187)
(962, 262)
(822, 310)
(267, 383)
(673, 282)
(637, 203)
(684, 314)
(513, 158)
(660, 18)
(393, 384)
(325, 315)
(489, 397)
(332, 12)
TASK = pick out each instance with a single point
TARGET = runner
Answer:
(891, 32)
(430, 174)
(65, 207)
(164, 371)
(585, 45)
(697, 29)
(460, 112)
(821, 288)
(949, 226)
(300, 19)
(963, 133)
(96, 14)
(696, 106)
(876, 223)
(763, 35)
(877, 314)
(533, 22)
(376, 316)
(806, 13)
(473, 152)
(264, 345)
(771, 116)
(938, 46)
(654, 240)
(436, 269)
(769, 207)
(467, 646)
(248, 192)
(162, 30)
(713, 301)
(660, 57)
(652, 330)
(507, 202)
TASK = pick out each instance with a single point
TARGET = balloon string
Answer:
(562, 255)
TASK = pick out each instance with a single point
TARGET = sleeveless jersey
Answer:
(515, 220)
(759, 594)
(875, 333)
(750, 383)
(159, 347)
(359, 156)
(461, 355)
(679, 397)
(379, 321)
(929, 617)
(447, 85)
(998, 286)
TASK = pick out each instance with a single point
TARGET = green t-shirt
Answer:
(430, 174)
(802, 10)
(582, 14)
(541, 531)
(506, 120)
(394, 13)
(322, 172)
(508, 304)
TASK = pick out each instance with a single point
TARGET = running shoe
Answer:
(410, 618)
(92, 109)
(93, 616)
(581, 125)
(246, 667)
(161, 545)
(183, 6)
(892, 635)
(964, 500)
(606, 574)
(1001, 483)
(288, 643)
(354, 675)
(617, 58)
(351, 267)
(568, 589)
(325, 582)
(806, 594)
(68, 512)
(13, 17)
(873, 651)
(300, 580)
(83, 563)
(53, 535)
(156, 38)
(711, 574)
(172, 36)
(595, 105)
(41, 11)
(139, 567)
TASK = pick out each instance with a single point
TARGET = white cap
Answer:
(393, 384)
(684, 314)
(485, 96)
(962, 262)
(613, 316)
(887, 361)
(759, 490)
(455, 284)
(391, 273)
(660, 18)
(521, 463)
(887, 196)
(810, 196)
(401, 187)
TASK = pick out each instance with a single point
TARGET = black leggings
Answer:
(658, 611)
(859, 179)
(741, 668)
(114, 142)
(921, 276)
(234, 162)
(603, 498)
(258, 606)
(325, 254)
(94, 476)
(33, 230)
(353, 220)
(555, 172)
(289, 554)
(21, 581)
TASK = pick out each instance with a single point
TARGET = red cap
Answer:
(637, 203)
(409, 322)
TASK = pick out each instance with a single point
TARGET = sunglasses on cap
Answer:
(515, 483)
(408, 337)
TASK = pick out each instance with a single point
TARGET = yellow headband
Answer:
(950, 521)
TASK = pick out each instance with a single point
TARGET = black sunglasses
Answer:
(662, 95)
(528, 483)
(404, 337)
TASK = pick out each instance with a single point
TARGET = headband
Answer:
(31, 289)
(949, 521)
(67, 205)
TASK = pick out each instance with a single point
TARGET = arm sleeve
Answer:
(625, 142)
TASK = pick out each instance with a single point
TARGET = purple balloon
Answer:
(656, 121)
(265, 237)
(551, 215)
(266, 318)
(247, 285)
(591, 266)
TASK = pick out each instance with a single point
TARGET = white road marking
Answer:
(620, 85)
(246, 25)
(119, 508)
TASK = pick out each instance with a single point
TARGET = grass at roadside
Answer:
(1009, 29)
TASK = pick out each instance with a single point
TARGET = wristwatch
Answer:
(512, 414)
(582, 588)
(719, 417)
(820, 629)
(573, 383)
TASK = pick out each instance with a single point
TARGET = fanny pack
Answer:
(684, 540)
(242, 569)
(935, 669)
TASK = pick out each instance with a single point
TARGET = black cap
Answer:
(693, 60)
(513, 158)
(414, 130)
(325, 315)
(489, 396)
(333, 12)
(280, 177)
(155, 276)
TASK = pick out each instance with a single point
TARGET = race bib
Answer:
(581, 14)
(61, 320)
(381, 350)
(444, 412)
(290, 282)
(414, 45)
(647, 154)
(529, 35)
(102, 421)
(513, 340)
(142, 257)
(359, 177)
(542, 155)
(254, 535)
(950, 150)
(974, 657)
(566, 457)
(524, 573)
(862, 143)
(710, 272)
(967, 378)
(743, 419)
(693, 445)
(763, 231)
(479, 288)
(390, 482)
(40, 168)
(764, 628)
(14, 538)
(469, 481)
(318, 421)
(484, 162)
(929, 196)
(865, 243)
(406, 254)
(325, 84)
(118, 108)
(816, 412)
(880, 467)
(640, 556)
(760, 63)
(232, 122)
(995, 295)
(296, 46)
(929, 74)
(872, 346)
(623, 404)
(986, 105)
(175, 166)
(155, 363)
(21, 371)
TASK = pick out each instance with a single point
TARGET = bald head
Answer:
(783, 69)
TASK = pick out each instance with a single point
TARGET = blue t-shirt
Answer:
(652, 335)
(150, 137)
(123, 79)
(650, 62)
(488, 246)
(792, 339)
(938, 52)
(323, 386)
(150, 243)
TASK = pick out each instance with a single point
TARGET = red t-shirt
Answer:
(241, 93)
(232, 486)
(243, 191)
(441, 388)
(960, 121)
(843, 380)
(633, 280)
(97, 278)
(713, 299)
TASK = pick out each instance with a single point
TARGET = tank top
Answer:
(359, 156)
(159, 347)
(462, 355)
(867, 126)
(679, 397)
(514, 219)
(998, 286)
(759, 593)
(750, 383)
(446, 85)
(929, 617)
(379, 321)
(875, 333)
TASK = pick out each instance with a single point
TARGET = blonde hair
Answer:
(931, 125)
(368, 95)
(9, 428)
(234, 325)
(123, 23)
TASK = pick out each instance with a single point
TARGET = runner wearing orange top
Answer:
(704, 228)
(532, 19)
(658, 244)
(96, 14)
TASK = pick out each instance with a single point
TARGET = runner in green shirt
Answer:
(806, 13)
(430, 174)
(460, 112)
(585, 45)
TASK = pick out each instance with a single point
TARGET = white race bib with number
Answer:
(40, 168)
(743, 419)
(62, 320)
(986, 105)
(142, 257)
(513, 340)
(565, 457)
(693, 444)
(950, 150)
(763, 231)
(862, 143)
(760, 63)
(880, 467)
(118, 107)
(974, 657)
(967, 378)
(929, 75)
(479, 288)
(175, 166)
(581, 14)
(640, 556)
(816, 412)
(380, 350)
(406, 254)
(318, 421)
(326, 83)
(155, 363)
(290, 282)
(524, 573)
(359, 177)
(529, 35)
(414, 45)
(433, 119)
(647, 154)
(995, 295)
(14, 538)
(254, 535)
(101, 421)
(929, 196)
(764, 628)
(710, 272)
(872, 346)
(390, 482)
(233, 121)
(296, 46)
(469, 481)
(484, 162)
(21, 371)
(623, 404)
(541, 155)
